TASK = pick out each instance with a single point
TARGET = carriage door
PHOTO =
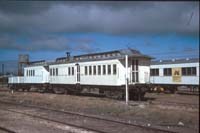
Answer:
(134, 71)
(78, 73)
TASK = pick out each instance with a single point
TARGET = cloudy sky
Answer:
(46, 30)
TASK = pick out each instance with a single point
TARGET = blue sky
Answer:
(159, 46)
(47, 30)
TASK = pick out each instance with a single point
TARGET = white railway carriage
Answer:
(180, 72)
(101, 70)
(104, 71)
(34, 75)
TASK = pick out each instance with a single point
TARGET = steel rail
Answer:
(92, 117)
(55, 121)
(6, 130)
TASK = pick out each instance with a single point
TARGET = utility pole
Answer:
(126, 65)
(2, 69)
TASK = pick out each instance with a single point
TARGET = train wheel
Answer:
(59, 90)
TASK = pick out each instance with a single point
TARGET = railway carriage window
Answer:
(69, 72)
(135, 75)
(99, 70)
(137, 79)
(154, 72)
(56, 71)
(86, 72)
(114, 69)
(53, 72)
(90, 70)
(33, 72)
(183, 71)
(94, 70)
(50, 72)
(189, 71)
(104, 69)
(72, 70)
(136, 62)
(26, 72)
(194, 71)
(109, 69)
(167, 71)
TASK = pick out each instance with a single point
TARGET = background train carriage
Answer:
(179, 74)
(103, 71)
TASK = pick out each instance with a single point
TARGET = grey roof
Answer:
(108, 55)
(175, 61)
(116, 54)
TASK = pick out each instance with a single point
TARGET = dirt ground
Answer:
(176, 119)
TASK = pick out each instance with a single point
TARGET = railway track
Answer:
(6, 130)
(92, 123)
(176, 104)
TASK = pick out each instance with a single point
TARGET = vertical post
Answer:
(126, 64)
(2, 69)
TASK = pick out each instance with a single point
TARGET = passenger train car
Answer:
(104, 71)
(176, 74)
(107, 73)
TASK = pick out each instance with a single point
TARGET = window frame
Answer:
(167, 71)
(114, 69)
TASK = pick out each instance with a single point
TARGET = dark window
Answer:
(26, 72)
(194, 71)
(53, 72)
(33, 72)
(167, 71)
(134, 65)
(114, 69)
(189, 71)
(136, 62)
(90, 70)
(99, 70)
(56, 71)
(137, 76)
(69, 71)
(104, 69)
(154, 72)
(109, 69)
(94, 70)
(86, 72)
(72, 70)
(183, 71)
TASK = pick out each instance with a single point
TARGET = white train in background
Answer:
(104, 72)
(107, 73)
(180, 75)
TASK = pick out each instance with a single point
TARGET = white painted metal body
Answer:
(117, 79)
(41, 75)
(187, 80)
(16, 80)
